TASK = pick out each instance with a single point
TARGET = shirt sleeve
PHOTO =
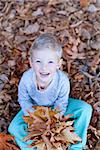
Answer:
(24, 98)
(62, 100)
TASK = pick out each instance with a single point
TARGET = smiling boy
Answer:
(44, 67)
(44, 84)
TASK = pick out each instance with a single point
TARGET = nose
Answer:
(44, 66)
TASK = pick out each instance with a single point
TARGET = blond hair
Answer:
(46, 40)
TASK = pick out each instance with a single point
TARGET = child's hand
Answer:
(65, 118)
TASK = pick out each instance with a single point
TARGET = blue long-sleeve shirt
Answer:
(56, 94)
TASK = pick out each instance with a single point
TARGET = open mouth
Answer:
(44, 74)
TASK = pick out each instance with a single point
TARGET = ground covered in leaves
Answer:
(76, 24)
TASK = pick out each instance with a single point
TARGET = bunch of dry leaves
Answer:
(76, 24)
(47, 131)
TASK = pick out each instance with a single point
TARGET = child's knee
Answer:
(12, 127)
(87, 109)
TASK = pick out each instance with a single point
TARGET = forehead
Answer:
(45, 53)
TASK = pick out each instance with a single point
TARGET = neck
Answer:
(42, 86)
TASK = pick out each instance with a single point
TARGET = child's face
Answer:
(45, 63)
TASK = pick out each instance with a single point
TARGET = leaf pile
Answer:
(76, 24)
(47, 131)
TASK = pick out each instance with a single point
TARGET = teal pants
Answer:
(81, 113)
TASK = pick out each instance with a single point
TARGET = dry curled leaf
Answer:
(32, 28)
(84, 3)
(54, 2)
(70, 136)
(6, 142)
(71, 50)
(4, 97)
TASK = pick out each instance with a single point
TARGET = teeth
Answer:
(44, 73)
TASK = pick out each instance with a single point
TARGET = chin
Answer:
(46, 81)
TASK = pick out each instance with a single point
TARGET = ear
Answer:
(30, 61)
(60, 63)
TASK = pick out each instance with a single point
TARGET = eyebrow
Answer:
(37, 58)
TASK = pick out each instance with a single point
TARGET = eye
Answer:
(50, 62)
(38, 61)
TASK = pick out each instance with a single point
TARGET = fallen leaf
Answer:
(84, 3)
(70, 136)
(54, 2)
(5, 142)
(32, 28)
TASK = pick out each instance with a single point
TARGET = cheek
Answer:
(54, 68)
(35, 67)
